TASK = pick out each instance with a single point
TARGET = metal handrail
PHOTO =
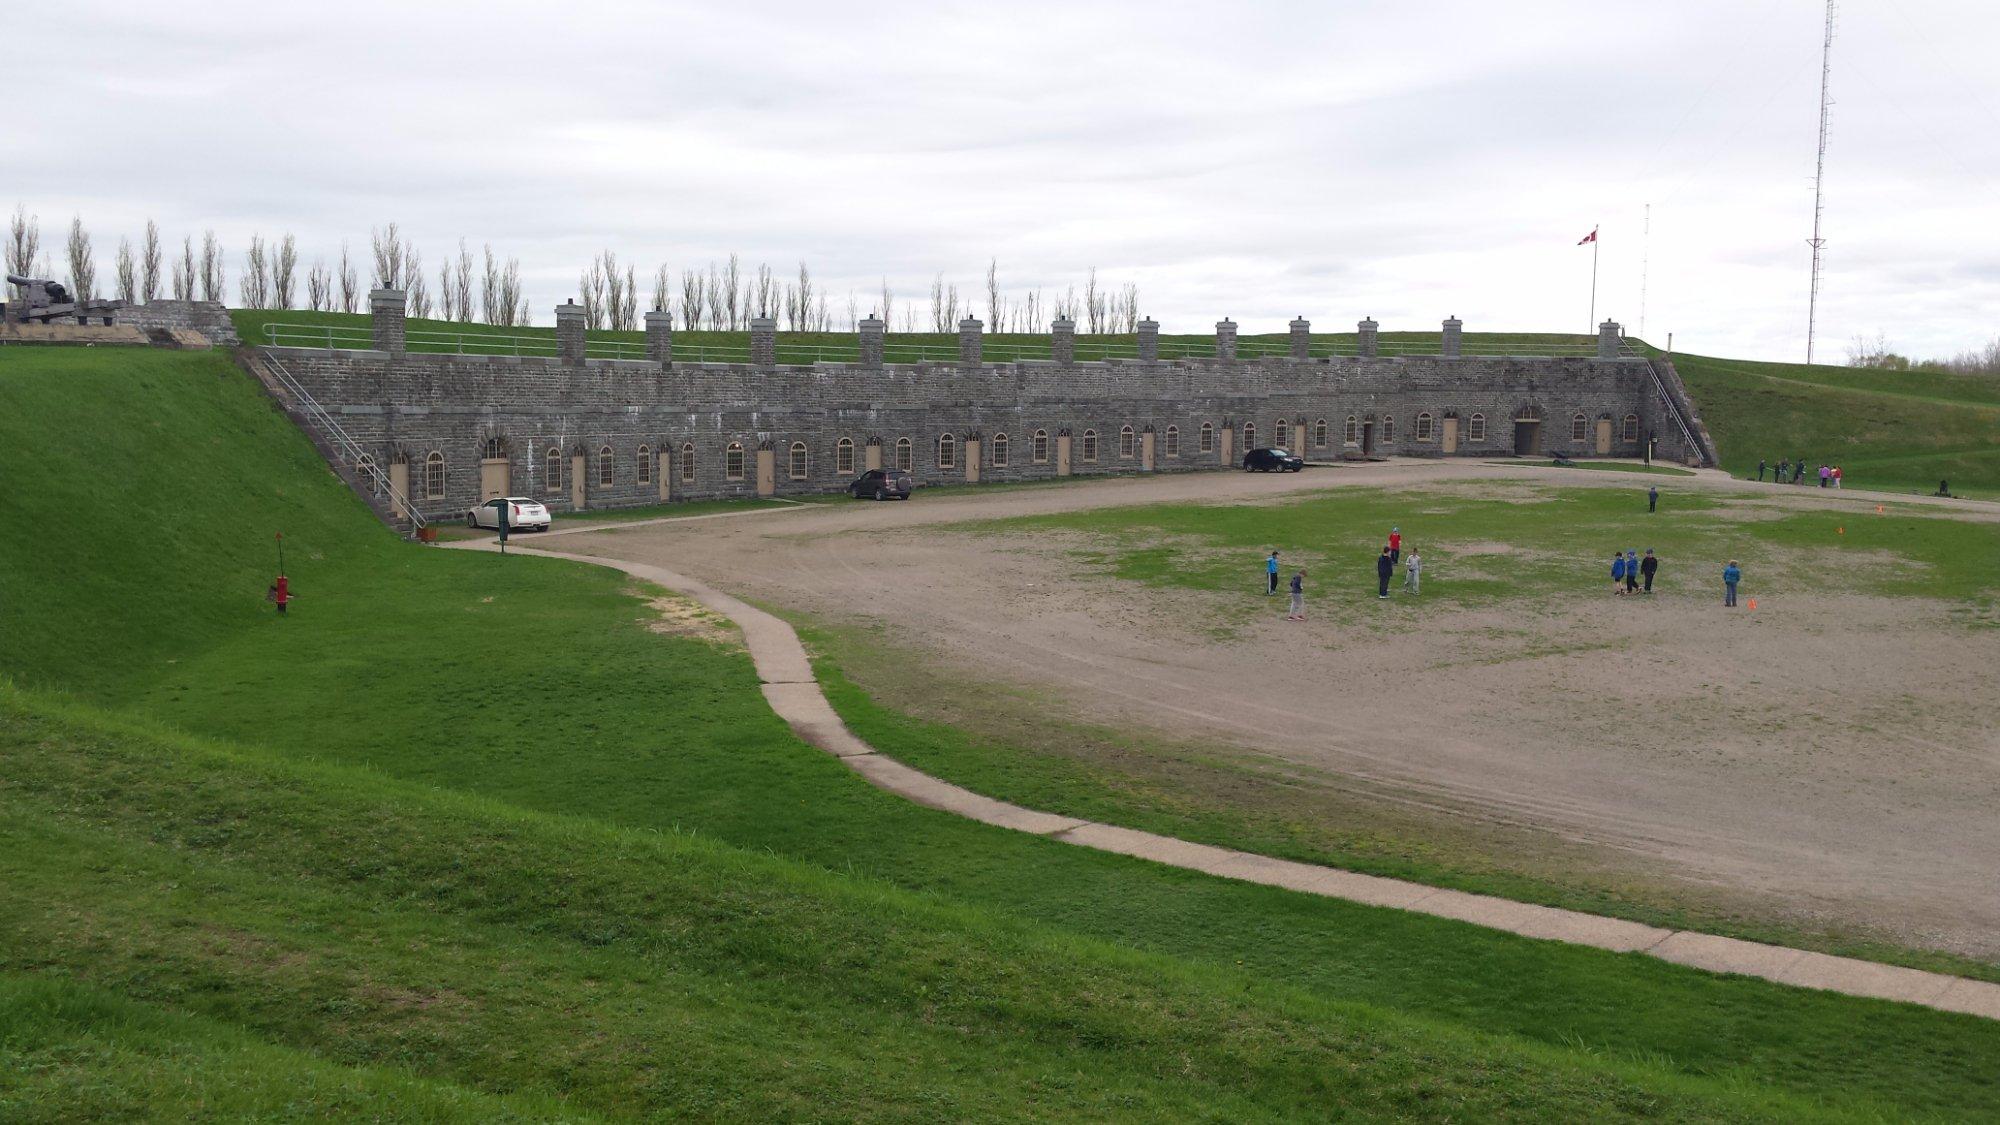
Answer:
(349, 448)
(1674, 409)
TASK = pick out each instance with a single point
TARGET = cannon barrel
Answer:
(17, 279)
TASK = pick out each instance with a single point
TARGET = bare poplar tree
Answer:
(663, 291)
(807, 294)
(461, 283)
(693, 299)
(614, 290)
(764, 296)
(447, 293)
(490, 303)
(590, 292)
(285, 272)
(937, 303)
(387, 248)
(149, 263)
(1128, 307)
(255, 283)
(211, 267)
(128, 273)
(721, 308)
(888, 306)
(319, 287)
(82, 263)
(184, 275)
(417, 295)
(628, 308)
(24, 241)
(996, 308)
(735, 292)
(514, 304)
(853, 312)
(350, 282)
(822, 320)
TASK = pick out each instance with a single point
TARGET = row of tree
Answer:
(1879, 353)
(487, 289)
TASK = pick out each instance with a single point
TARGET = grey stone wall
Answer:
(206, 317)
(411, 405)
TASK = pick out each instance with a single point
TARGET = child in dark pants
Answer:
(1649, 566)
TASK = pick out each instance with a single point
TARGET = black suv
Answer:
(881, 484)
(1272, 461)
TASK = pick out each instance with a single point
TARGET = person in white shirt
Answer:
(1413, 568)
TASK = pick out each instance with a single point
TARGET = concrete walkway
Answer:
(794, 693)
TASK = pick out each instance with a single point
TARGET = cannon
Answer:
(47, 301)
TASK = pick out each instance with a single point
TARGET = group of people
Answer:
(1829, 475)
(1628, 570)
(1385, 569)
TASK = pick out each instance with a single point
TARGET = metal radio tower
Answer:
(1819, 179)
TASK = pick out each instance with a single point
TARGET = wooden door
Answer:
(578, 472)
(767, 472)
(1451, 435)
(1226, 444)
(1603, 436)
(493, 480)
(1062, 455)
(1146, 451)
(399, 487)
(874, 456)
(972, 460)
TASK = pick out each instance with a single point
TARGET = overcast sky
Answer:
(1403, 160)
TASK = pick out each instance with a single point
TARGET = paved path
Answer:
(793, 692)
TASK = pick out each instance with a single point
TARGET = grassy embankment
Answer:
(466, 837)
(990, 739)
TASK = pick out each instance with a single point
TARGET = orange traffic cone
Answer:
(1753, 603)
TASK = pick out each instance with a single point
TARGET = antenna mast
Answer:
(1819, 180)
(1645, 267)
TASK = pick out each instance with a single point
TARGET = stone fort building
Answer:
(578, 433)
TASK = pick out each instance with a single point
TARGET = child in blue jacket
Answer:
(1731, 575)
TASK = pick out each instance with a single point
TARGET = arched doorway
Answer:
(494, 478)
(1527, 432)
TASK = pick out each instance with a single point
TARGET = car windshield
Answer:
(1279, 453)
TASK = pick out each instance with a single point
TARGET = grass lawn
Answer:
(1894, 430)
(477, 837)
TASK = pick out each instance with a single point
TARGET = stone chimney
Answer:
(660, 337)
(385, 313)
(1454, 338)
(1062, 340)
(1225, 339)
(1302, 333)
(1609, 335)
(871, 331)
(569, 332)
(1149, 340)
(1367, 344)
(763, 342)
(969, 331)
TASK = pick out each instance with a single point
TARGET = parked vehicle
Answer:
(881, 484)
(523, 514)
(1272, 461)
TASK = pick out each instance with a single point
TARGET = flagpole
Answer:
(1594, 240)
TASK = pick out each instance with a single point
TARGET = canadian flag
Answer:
(1591, 237)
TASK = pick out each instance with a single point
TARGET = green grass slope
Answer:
(1897, 430)
(475, 829)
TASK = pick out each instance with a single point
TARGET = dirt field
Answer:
(1838, 762)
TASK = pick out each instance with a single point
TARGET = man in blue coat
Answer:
(1385, 569)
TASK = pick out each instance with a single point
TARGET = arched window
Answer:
(732, 461)
(371, 477)
(1207, 438)
(1040, 452)
(1279, 432)
(1475, 428)
(552, 469)
(1090, 446)
(645, 461)
(604, 477)
(1388, 427)
(1631, 427)
(1425, 426)
(905, 455)
(947, 452)
(1249, 436)
(687, 462)
(1125, 441)
(493, 449)
(799, 461)
(434, 476)
(1351, 433)
(1173, 441)
(1319, 433)
(999, 451)
(1579, 427)
(843, 456)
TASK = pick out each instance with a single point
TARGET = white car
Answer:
(523, 514)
